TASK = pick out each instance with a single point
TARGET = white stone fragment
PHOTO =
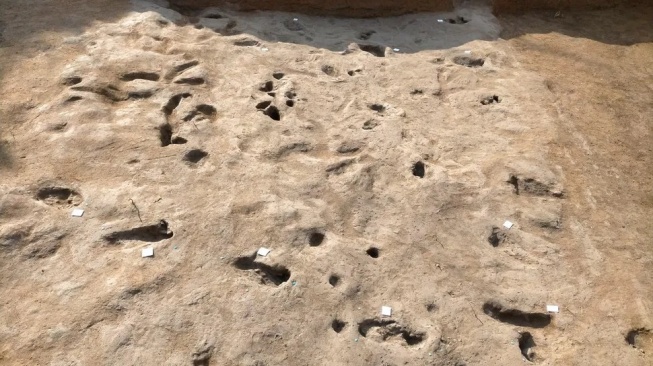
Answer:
(78, 212)
(386, 311)
(147, 252)
(263, 252)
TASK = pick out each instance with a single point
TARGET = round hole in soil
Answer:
(334, 280)
(419, 169)
(315, 239)
(373, 252)
(338, 325)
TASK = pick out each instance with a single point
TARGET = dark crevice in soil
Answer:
(140, 75)
(339, 167)
(109, 92)
(73, 80)
(264, 104)
(190, 81)
(185, 66)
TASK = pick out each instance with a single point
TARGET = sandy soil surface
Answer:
(377, 159)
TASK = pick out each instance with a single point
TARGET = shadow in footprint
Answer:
(334, 280)
(515, 316)
(386, 328)
(59, 196)
(457, 20)
(270, 275)
(338, 325)
(526, 342)
(149, 233)
(468, 61)
(246, 42)
(173, 103)
(419, 169)
(378, 51)
(166, 138)
(491, 100)
(194, 156)
(273, 112)
(315, 238)
(140, 75)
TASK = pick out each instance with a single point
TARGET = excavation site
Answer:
(343, 182)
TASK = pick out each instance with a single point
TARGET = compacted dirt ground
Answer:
(377, 159)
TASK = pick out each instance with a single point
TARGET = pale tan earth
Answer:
(86, 87)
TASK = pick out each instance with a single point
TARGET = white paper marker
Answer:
(552, 309)
(263, 252)
(386, 311)
(507, 224)
(147, 252)
(78, 212)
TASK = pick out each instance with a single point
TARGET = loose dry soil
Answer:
(377, 177)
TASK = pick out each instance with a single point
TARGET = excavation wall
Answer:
(374, 8)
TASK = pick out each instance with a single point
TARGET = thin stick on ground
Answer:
(473, 312)
(138, 212)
